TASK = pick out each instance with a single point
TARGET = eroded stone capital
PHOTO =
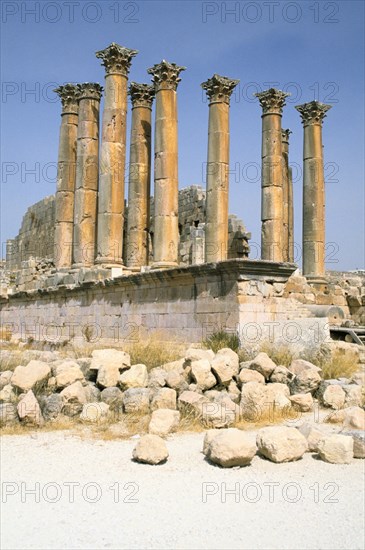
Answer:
(165, 75)
(69, 94)
(285, 135)
(116, 59)
(313, 112)
(219, 88)
(272, 101)
(141, 94)
(90, 90)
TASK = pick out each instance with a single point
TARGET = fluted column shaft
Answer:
(286, 183)
(87, 167)
(291, 216)
(312, 115)
(272, 102)
(219, 90)
(116, 60)
(166, 228)
(66, 177)
(139, 176)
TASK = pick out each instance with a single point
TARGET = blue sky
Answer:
(315, 50)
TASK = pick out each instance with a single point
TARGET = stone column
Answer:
(116, 60)
(87, 168)
(139, 176)
(66, 177)
(286, 192)
(166, 229)
(291, 217)
(272, 102)
(219, 90)
(312, 115)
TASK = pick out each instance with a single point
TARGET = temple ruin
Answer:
(176, 262)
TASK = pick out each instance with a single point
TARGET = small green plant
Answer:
(222, 339)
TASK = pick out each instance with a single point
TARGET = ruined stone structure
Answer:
(175, 262)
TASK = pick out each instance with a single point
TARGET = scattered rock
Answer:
(281, 375)
(195, 354)
(67, 373)
(135, 377)
(112, 397)
(157, 378)
(176, 381)
(136, 400)
(263, 364)
(26, 378)
(202, 374)
(52, 406)
(225, 365)
(5, 378)
(281, 444)
(110, 358)
(208, 438)
(29, 410)
(358, 437)
(307, 376)
(336, 448)
(353, 394)
(164, 398)
(231, 447)
(354, 418)
(74, 397)
(7, 394)
(221, 413)
(108, 376)
(8, 414)
(163, 422)
(248, 375)
(191, 402)
(334, 397)
(94, 412)
(313, 435)
(92, 392)
(150, 449)
(302, 401)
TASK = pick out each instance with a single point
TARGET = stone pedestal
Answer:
(286, 193)
(166, 229)
(66, 177)
(272, 102)
(139, 176)
(219, 90)
(87, 168)
(312, 115)
(116, 60)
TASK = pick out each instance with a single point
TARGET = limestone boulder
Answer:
(113, 397)
(84, 363)
(354, 418)
(135, 377)
(150, 449)
(74, 398)
(208, 438)
(307, 377)
(353, 395)
(92, 392)
(164, 398)
(5, 378)
(225, 366)
(7, 394)
(234, 392)
(231, 447)
(191, 402)
(176, 381)
(52, 406)
(94, 412)
(29, 410)
(67, 373)
(108, 376)
(157, 378)
(358, 437)
(34, 374)
(303, 402)
(8, 414)
(136, 400)
(334, 397)
(110, 358)
(277, 395)
(221, 413)
(263, 364)
(281, 444)
(248, 375)
(163, 422)
(281, 375)
(359, 378)
(196, 354)
(313, 434)
(336, 448)
(202, 375)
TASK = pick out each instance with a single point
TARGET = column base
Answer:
(164, 265)
(109, 262)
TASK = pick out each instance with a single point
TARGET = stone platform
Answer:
(250, 298)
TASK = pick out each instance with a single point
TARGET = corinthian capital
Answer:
(285, 135)
(90, 90)
(69, 94)
(272, 101)
(219, 88)
(165, 75)
(313, 112)
(116, 59)
(141, 94)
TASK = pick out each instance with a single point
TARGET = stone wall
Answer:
(248, 298)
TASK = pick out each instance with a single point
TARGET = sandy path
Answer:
(169, 511)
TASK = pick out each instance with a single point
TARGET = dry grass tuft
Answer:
(336, 364)
(280, 354)
(154, 352)
(222, 339)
